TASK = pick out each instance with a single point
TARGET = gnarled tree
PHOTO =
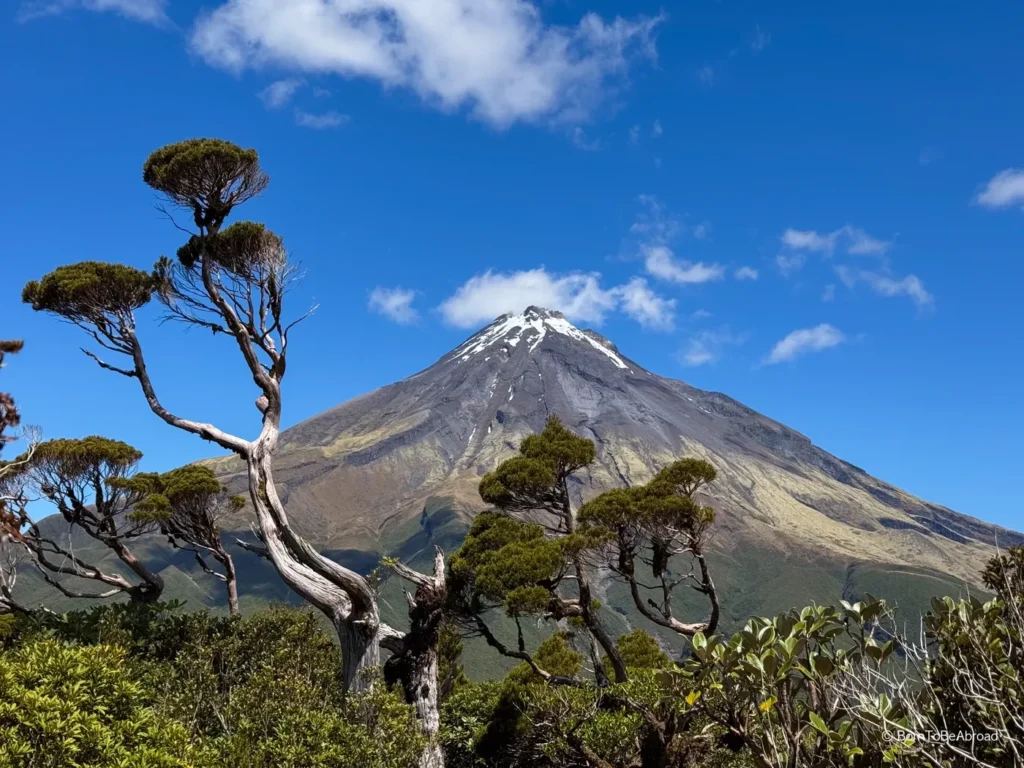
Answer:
(231, 280)
(187, 505)
(532, 557)
(81, 479)
(655, 524)
(9, 416)
(12, 501)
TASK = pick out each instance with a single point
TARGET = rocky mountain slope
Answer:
(395, 471)
(356, 476)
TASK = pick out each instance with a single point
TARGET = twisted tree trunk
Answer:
(414, 661)
(152, 584)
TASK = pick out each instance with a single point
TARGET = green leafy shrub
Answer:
(261, 692)
(63, 706)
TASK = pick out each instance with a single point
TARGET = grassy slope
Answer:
(751, 581)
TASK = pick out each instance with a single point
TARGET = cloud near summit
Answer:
(577, 295)
(498, 58)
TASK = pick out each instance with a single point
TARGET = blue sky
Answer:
(813, 209)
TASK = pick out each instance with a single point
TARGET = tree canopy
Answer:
(207, 176)
(93, 292)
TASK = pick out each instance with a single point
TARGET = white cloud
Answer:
(886, 285)
(696, 354)
(656, 129)
(700, 314)
(707, 75)
(497, 58)
(861, 243)
(829, 294)
(147, 11)
(655, 229)
(856, 240)
(322, 121)
(788, 263)
(805, 340)
(279, 93)
(395, 303)
(645, 306)
(761, 40)
(1004, 189)
(809, 240)
(655, 224)
(746, 273)
(708, 347)
(578, 295)
(634, 134)
(660, 262)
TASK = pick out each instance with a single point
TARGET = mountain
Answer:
(395, 471)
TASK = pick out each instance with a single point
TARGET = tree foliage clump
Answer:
(524, 556)
(85, 481)
(208, 177)
(91, 292)
(187, 506)
(656, 524)
(9, 416)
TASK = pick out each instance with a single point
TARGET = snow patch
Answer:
(514, 328)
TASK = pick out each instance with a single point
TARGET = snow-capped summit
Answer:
(531, 327)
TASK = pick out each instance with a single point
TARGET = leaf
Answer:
(818, 724)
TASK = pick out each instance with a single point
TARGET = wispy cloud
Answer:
(805, 340)
(656, 129)
(279, 93)
(634, 135)
(321, 121)
(861, 243)
(929, 155)
(655, 229)
(706, 75)
(829, 294)
(147, 11)
(708, 346)
(886, 285)
(394, 303)
(580, 140)
(746, 273)
(788, 263)
(1004, 189)
(760, 41)
(649, 309)
(660, 262)
(655, 224)
(854, 239)
(808, 240)
(499, 60)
